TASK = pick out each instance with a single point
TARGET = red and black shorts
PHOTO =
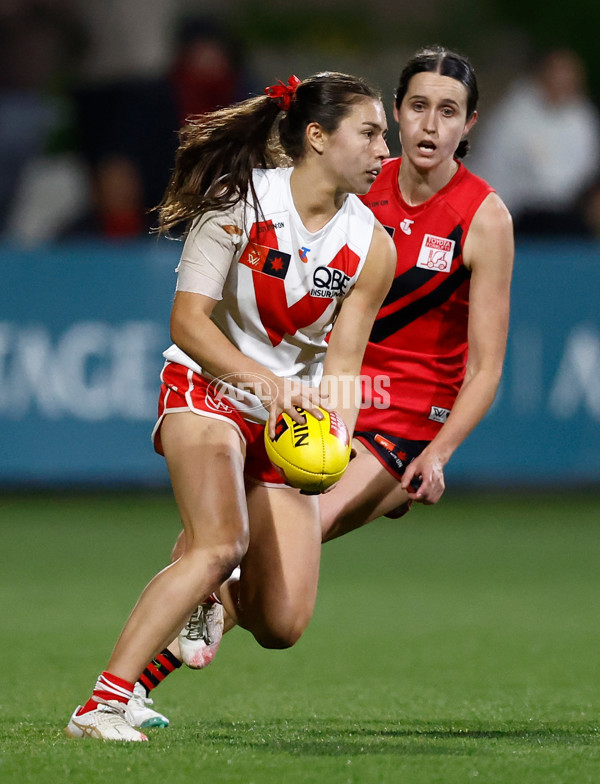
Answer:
(392, 452)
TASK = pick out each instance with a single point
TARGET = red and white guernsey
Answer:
(279, 286)
(419, 339)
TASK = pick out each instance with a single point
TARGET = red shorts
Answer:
(183, 390)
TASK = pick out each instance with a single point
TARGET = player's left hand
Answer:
(423, 479)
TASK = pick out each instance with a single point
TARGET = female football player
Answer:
(440, 336)
(439, 339)
(253, 312)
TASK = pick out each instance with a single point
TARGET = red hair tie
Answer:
(283, 93)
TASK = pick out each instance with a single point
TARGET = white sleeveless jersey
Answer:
(284, 285)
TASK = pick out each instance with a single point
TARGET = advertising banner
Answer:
(83, 327)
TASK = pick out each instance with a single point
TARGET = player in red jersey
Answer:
(255, 312)
(435, 354)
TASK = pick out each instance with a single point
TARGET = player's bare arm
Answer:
(353, 325)
(489, 254)
(194, 332)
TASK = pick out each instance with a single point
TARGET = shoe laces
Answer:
(112, 713)
(115, 708)
(142, 701)
(195, 628)
(198, 625)
(141, 698)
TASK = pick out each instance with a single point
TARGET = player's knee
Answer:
(234, 552)
(276, 641)
(399, 511)
(282, 633)
(220, 560)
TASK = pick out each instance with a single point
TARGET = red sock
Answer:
(108, 687)
(158, 669)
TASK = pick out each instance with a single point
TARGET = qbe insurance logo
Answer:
(329, 282)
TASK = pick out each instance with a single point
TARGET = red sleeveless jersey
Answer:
(419, 339)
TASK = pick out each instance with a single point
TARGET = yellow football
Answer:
(310, 456)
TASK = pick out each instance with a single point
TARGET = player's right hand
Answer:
(293, 395)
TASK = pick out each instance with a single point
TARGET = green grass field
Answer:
(459, 645)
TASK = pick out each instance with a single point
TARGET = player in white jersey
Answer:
(281, 276)
(284, 285)
(422, 322)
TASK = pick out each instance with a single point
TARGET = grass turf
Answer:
(458, 645)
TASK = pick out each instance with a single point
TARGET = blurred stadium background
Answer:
(480, 616)
(85, 299)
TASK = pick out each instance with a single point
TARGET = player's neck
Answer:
(418, 185)
(315, 200)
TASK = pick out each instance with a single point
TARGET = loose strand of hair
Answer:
(215, 159)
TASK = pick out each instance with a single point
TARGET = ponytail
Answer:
(219, 150)
(214, 162)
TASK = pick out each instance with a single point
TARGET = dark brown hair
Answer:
(218, 151)
(436, 59)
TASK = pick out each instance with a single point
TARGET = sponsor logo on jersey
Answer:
(329, 282)
(438, 414)
(436, 253)
(303, 253)
(269, 226)
(267, 260)
(380, 203)
(406, 226)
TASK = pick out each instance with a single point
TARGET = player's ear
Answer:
(470, 123)
(316, 137)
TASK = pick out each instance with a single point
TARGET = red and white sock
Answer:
(109, 687)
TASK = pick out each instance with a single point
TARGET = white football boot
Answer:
(201, 636)
(139, 713)
(106, 722)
